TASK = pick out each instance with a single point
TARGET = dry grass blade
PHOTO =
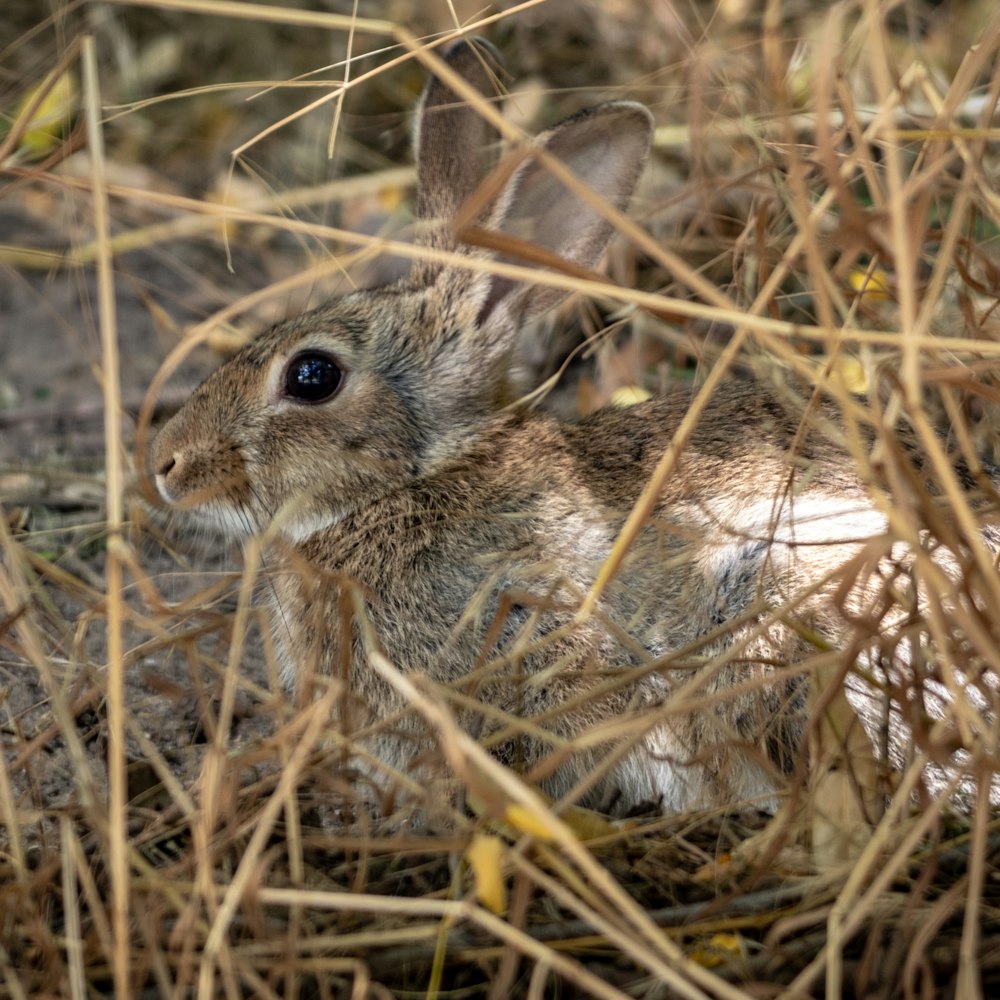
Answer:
(117, 833)
(264, 13)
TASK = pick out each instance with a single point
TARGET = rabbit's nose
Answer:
(167, 464)
(165, 468)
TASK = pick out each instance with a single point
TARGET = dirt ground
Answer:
(52, 473)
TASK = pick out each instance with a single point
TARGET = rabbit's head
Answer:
(325, 412)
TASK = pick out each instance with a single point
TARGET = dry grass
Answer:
(821, 209)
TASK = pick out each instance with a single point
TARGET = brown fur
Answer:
(473, 528)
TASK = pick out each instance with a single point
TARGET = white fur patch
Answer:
(779, 526)
(300, 528)
(590, 540)
(806, 520)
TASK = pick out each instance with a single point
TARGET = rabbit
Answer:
(380, 436)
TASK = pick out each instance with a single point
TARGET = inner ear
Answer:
(605, 149)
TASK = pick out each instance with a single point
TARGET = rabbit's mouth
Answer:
(232, 521)
(207, 506)
(236, 519)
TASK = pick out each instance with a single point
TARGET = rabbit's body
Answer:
(490, 554)
(377, 434)
(497, 551)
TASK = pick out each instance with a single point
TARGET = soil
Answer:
(52, 459)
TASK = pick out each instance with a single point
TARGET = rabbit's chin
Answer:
(240, 524)
(229, 523)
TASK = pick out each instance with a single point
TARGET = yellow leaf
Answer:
(629, 395)
(525, 821)
(44, 127)
(801, 80)
(587, 824)
(874, 285)
(391, 197)
(719, 949)
(485, 858)
(851, 373)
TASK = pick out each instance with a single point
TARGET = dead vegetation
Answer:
(821, 209)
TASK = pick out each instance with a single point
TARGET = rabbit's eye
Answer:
(313, 377)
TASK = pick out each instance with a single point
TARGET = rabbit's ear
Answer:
(606, 148)
(455, 148)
